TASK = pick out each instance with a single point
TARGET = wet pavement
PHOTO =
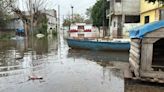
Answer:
(62, 69)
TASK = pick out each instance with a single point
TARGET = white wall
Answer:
(73, 27)
(112, 28)
(87, 34)
(128, 27)
(88, 27)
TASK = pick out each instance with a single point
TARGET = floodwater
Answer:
(62, 69)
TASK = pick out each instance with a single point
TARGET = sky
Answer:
(80, 6)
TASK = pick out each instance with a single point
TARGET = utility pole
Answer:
(31, 14)
(58, 18)
(103, 17)
(72, 13)
(123, 20)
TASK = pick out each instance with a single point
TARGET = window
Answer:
(118, 1)
(146, 19)
(80, 27)
(132, 19)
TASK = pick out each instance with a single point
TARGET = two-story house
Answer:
(151, 12)
(123, 15)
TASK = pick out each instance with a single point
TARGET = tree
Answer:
(154, 0)
(88, 12)
(67, 22)
(88, 15)
(4, 15)
(77, 18)
(33, 8)
(98, 13)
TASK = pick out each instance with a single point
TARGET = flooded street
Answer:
(62, 69)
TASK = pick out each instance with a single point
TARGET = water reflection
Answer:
(28, 54)
(99, 56)
(62, 69)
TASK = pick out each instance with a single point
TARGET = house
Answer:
(123, 15)
(151, 12)
(83, 30)
(12, 24)
(50, 15)
(146, 53)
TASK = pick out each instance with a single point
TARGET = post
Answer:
(123, 19)
(58, 18)
(72, 13)
(104, 18)
(31, 15)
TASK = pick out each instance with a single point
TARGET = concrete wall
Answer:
(15, 24)
(118, 8)
(118, 11)
(127, 27)
(131, 7)
(86, 34)
(128, 7)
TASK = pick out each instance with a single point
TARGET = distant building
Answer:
(12, 24)
(52, 20)
(151, 12)
(123, 15)
(50, 14)
(83, 30)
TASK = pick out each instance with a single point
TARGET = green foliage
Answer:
(67, 22)
(54, 32)
(43, 28)
(88, 14)
(98, 13)
(154, 0)
(42, 24)
(4, 16)
(77, 18)
(6, 37)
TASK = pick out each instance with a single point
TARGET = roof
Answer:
(141, 31)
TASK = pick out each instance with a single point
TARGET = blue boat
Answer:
(99, 45)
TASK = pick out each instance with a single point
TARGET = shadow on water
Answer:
(99, 56)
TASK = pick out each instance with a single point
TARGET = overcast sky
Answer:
(80, 6)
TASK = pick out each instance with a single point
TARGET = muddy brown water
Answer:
(62, 69)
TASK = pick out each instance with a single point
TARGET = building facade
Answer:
(52, 20)
(123, 15)
(151, 12)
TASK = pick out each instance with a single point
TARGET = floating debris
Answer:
(35, 78)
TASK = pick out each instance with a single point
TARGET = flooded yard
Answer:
(62, 69)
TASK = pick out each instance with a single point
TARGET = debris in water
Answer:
(35, 78)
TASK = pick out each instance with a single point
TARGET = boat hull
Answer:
(95, 45)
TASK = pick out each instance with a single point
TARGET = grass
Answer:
(6, 36)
